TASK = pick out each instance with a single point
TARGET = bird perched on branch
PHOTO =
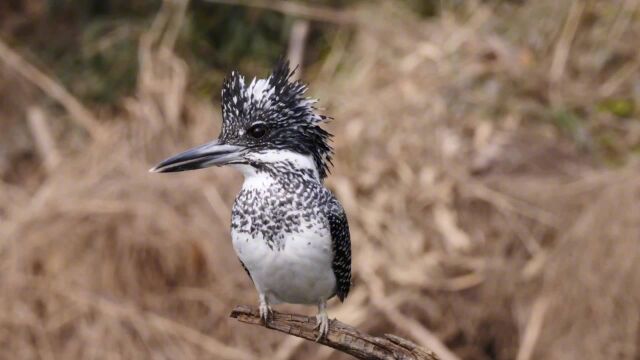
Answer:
(289, 232)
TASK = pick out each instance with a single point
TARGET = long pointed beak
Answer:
(210, 154)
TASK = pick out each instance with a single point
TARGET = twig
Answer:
(341, 336)
(163, 76)
(417, 330)
(533, 329)
(42, 136)
(317, 13)
(78, 112)
(625, 73)
(297, 42)
(563, 46)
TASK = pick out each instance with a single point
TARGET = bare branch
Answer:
(318, 13)
(52, 88)
(533, 329)
(43, 138)
(563, 46)
(341, 336)
(297, 44)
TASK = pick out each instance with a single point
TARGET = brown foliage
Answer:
(477, 229)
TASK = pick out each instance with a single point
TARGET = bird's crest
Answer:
(280, 104)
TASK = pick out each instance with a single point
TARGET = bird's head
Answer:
(265, 124)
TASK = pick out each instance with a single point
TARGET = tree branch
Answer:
(54, 89)
(341, 336)
(318, 13)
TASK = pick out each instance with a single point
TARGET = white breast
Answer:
(299, 273)
(295, 267)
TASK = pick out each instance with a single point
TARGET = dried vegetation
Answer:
(471, 154)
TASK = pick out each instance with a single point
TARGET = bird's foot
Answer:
(265, 310)
(322, 324)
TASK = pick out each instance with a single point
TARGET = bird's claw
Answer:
(265, 312)
(322, 325)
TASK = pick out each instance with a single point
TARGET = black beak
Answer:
(210, 154)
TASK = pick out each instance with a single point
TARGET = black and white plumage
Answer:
(289, 232)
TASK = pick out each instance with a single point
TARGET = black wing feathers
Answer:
(341, 243)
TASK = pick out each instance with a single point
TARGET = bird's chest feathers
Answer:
(280, 232)
(276, 214)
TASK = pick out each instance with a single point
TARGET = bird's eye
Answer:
(257, 131)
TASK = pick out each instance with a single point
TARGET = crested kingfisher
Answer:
(289, 231)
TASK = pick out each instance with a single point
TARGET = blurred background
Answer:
(486, 154)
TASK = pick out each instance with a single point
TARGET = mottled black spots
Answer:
(293, 200)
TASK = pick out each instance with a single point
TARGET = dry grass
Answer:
(477, 229)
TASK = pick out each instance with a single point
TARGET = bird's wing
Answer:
(341, 245)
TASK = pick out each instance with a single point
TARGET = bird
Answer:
(288, 230)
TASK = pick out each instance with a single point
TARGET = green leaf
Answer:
(619, 107)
